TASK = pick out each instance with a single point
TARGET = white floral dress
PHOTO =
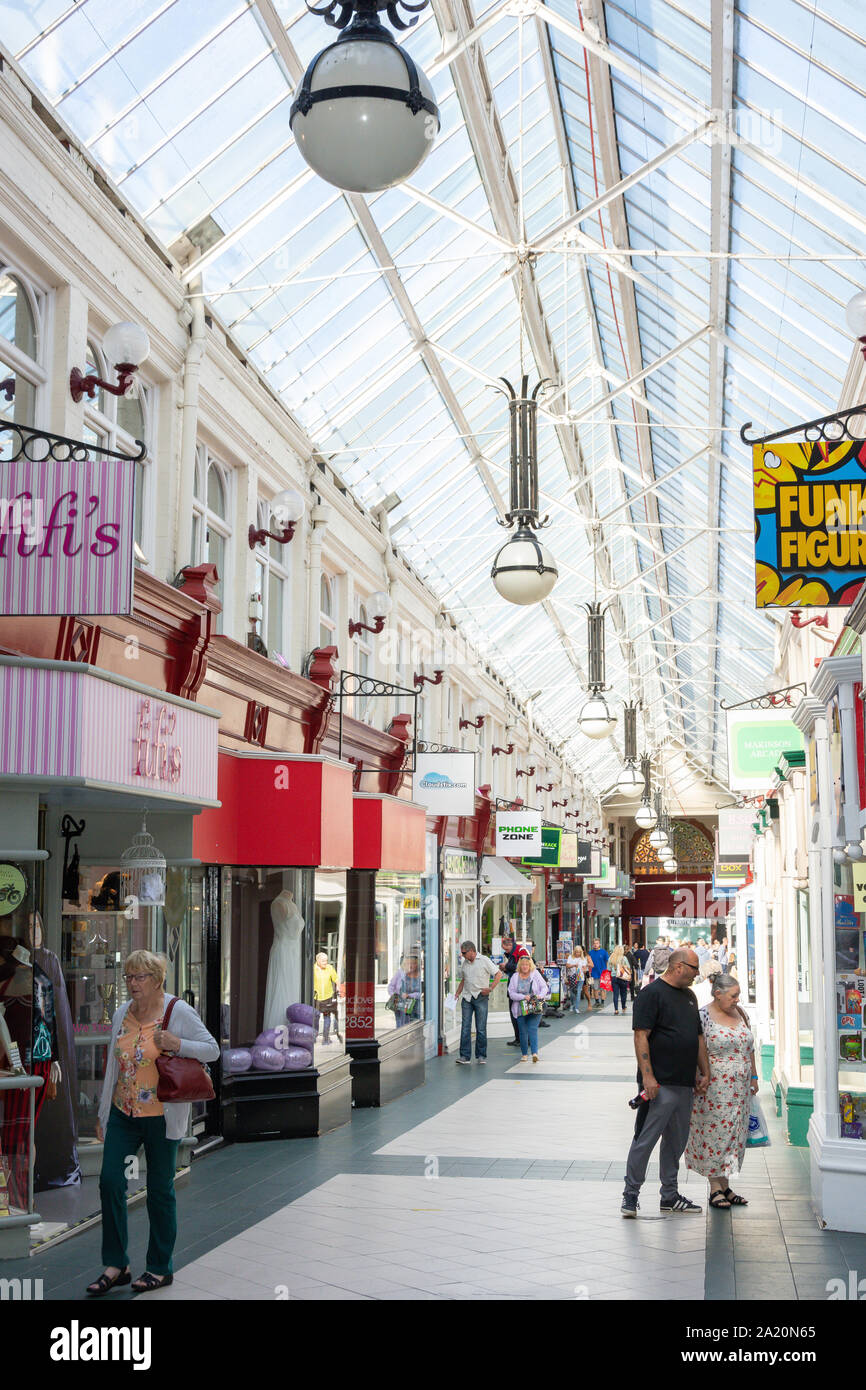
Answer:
(720, 1117)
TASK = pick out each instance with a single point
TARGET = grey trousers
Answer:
(667, 1118)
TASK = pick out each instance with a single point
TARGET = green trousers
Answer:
(124, 1137)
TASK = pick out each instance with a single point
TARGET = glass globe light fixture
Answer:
(645, 816)
(126, 344)
(630, 781)
(854, 852)
(524, 571)
(595, 719)
(364, 116)
(855, 314)
(658, 839)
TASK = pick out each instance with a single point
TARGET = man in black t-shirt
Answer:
(672, 1062)
(509, 965)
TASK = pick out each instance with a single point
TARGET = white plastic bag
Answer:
(451, 1002)
(758, 1132)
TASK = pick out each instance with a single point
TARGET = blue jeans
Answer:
(527, 1029)
(476, 1008)
(620, 993)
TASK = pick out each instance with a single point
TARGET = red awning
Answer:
(389, 833)
(279, 811)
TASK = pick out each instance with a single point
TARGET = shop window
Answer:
(400, 944)
(283, 987)
(850, 1041)
(211, 525)
(362, 658)
(21, 375)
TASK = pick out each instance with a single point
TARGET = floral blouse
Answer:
(137, 1076)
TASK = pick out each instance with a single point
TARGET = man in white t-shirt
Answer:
(478, 976)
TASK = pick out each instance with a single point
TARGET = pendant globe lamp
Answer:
(658, 837)
(645, 816)
(523, 571)
(595, 719)
(364, 116)
(630, 781)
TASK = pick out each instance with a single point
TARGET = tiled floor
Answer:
(489, 1183)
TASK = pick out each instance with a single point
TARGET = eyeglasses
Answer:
(135, 979)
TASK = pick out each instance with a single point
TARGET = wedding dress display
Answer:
(284, 964)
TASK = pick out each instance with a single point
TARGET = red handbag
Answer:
(605, 982)
(181, 1079)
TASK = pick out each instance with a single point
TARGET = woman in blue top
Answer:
(525, 984)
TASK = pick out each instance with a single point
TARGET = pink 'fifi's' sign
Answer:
(66, 536)
(73, 725)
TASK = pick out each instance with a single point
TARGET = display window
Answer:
(850, 1037)
(284, 971)
(28, 1035)
(400, 949)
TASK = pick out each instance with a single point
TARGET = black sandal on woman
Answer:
(734, 1200)
(105, 1282)
(719, 1200)
(147, 1282)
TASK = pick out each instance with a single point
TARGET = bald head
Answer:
(683, 967)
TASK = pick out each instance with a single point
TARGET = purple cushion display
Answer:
(267, 1059)
(302, 1013)
(302, 1036)
(237, 1059)
(269, 1037)
(297, 1059)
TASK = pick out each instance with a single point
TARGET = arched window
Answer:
(118, 423)
(21, 375)
(327, 625)
(362, 658)
(211, 525)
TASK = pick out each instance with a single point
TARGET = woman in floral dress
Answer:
(720, 1117)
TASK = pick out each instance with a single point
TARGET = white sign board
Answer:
(735, 832)
(445, 783)
(518, 833)
(757, 738)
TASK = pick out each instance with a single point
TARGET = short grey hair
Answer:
(722, 983)
(467, 946)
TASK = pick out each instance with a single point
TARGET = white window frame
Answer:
(270, 565)
(328, 621)
(208, 520)
(362, 652)
(102, 421)
(31, 369)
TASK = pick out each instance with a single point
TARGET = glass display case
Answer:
(399, 946)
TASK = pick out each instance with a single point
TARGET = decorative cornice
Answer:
(833, 672)
(807, 711)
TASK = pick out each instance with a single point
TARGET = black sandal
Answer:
(105, 1282)
(147, 1282)
(733, 1199)
(719, 1201)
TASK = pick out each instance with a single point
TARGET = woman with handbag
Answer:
(527, 988)
(720, 1115)
(620, 974)
(404, 990)
(146, 1062)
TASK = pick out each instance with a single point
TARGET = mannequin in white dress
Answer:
(284, 964)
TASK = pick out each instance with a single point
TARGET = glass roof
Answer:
(384, 322)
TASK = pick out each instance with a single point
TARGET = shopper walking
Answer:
(131, 1115)
(404, 987)
(599, 958)
(576, 965)
(703, 988)
(478, 976)
(326, 996)
(509, 966)
(672, 1064)
(620, 974)
(720, 1117)
(526, 989)
(634, 967)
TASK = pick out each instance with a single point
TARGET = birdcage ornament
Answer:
(142, 870)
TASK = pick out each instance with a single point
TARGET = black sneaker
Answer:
(629, 1205)
(681, 1206)
(513, 1043)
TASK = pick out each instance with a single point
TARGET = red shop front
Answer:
(279, 851)
(387, 949)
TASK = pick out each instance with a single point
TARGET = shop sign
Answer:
(584, 857)
(756, 741)
(66, 535)
(730, 874)
(735, 833)
(518, 833)
(810, 523)
(13, 888)
(445, 783)
(595, 863)
(74, 726)
(568, 849)
(360, 1009)
(549, 856)
(460, 863)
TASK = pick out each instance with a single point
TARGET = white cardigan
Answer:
(196, 1042)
